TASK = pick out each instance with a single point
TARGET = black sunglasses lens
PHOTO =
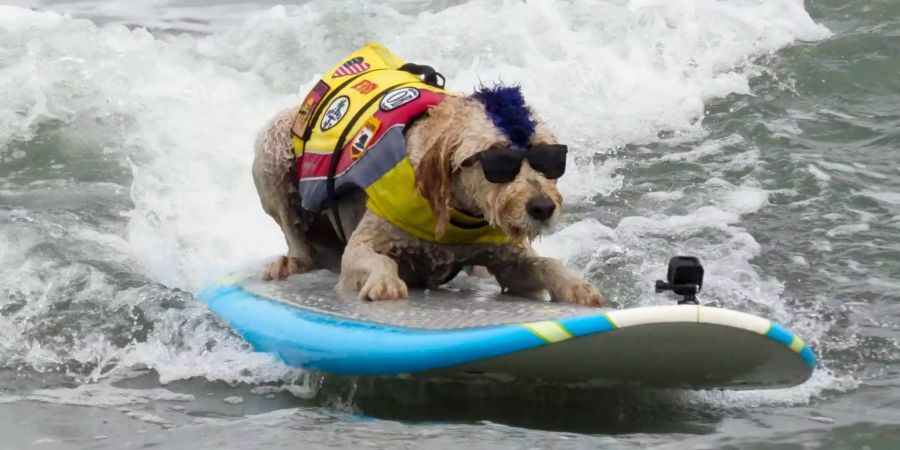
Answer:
(501, 165)
(550, 160)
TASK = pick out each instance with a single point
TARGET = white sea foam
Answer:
(105, 395)
(664, 196)
(589, 180)
(568, 243)
(703, 150)
(852, 169)
(842, 230)
(889, 198)
(822, 379)
(820, 174)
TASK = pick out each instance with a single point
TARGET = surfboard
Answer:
(471, 330)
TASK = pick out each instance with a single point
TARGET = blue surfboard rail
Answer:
(309, 339)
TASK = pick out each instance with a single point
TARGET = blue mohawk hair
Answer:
(506, 108)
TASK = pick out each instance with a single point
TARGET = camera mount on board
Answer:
(685, 278)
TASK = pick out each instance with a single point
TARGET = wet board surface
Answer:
(468, 328)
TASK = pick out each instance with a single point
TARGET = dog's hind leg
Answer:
(273, 174)
(299, 257)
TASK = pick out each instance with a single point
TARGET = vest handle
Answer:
(428, 74)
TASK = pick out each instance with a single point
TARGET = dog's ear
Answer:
(438, 136)
(433, 182)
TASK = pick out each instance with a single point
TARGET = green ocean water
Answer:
(760, 135)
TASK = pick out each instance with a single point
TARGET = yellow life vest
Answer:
(349, 134)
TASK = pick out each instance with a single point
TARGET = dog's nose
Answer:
(540, 208)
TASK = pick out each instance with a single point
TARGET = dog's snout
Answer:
(540, 208)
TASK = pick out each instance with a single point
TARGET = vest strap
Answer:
(336, 156)
(428, 74)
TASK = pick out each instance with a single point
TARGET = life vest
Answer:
(348, 135)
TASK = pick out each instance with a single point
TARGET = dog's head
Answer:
(488, 154)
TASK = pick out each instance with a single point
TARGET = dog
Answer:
(467, 181)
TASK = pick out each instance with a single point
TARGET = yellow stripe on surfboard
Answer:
(797, 344)
(550, 331)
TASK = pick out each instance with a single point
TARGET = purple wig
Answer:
(506, 108)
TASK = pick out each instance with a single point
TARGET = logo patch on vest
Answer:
(307, 107)
(364, 87)
(363, 138)
(335, 112)
(351, 67)
(398, 98)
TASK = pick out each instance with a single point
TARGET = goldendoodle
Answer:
(384, 176)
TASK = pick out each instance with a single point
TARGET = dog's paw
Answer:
(578, 291)
(284, 267)
(380, 286)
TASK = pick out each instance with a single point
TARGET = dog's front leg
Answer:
(373, 275)
(522, 271)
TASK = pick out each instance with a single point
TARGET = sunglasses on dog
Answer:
(502, 164)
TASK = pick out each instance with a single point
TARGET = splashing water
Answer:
(126, 139)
